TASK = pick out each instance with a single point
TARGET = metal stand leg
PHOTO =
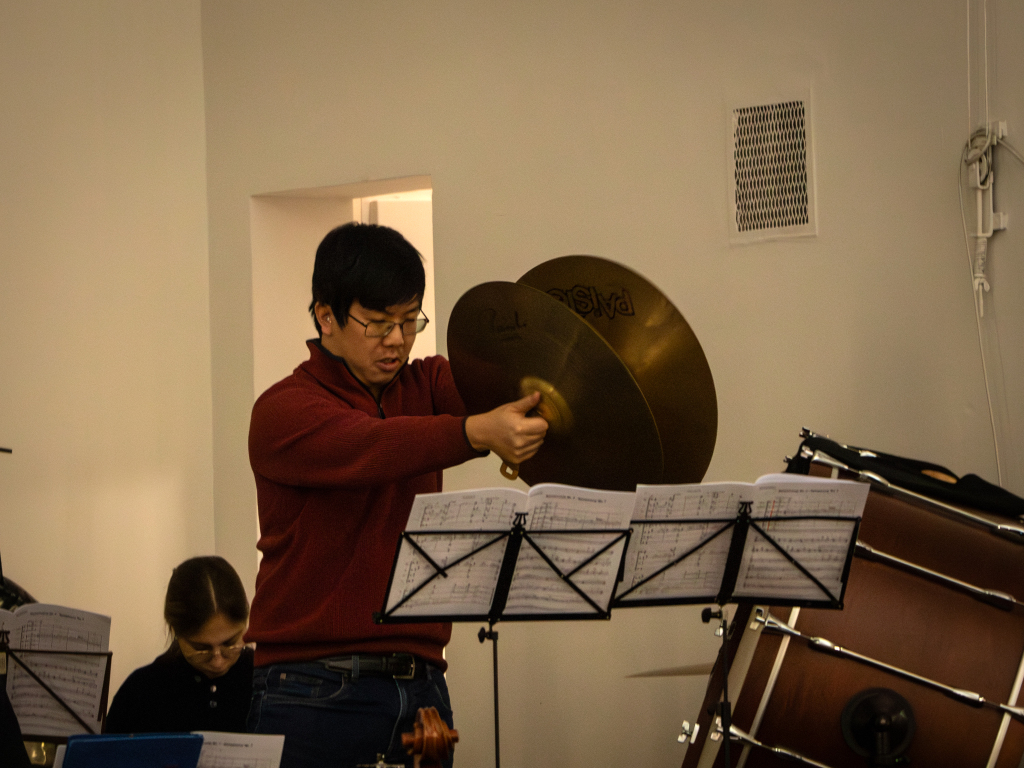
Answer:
(490, 634)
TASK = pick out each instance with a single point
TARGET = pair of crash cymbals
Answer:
(625, 386)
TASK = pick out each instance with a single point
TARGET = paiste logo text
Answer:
(586, 299)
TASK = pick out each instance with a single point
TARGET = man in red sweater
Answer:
(339, 449)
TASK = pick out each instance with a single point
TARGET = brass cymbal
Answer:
(655, 343)
(691, 670)
(508, 339)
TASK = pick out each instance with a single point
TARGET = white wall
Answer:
(104, 309)
(414, 218)
(599, 127)
(285, 233)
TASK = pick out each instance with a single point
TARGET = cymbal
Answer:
(655, 343)
(508, 339)
(691, 670)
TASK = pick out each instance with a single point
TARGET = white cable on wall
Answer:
(977, 315)
(979, 284)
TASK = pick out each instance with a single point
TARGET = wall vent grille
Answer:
(771, 170)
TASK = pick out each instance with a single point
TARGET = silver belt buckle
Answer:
(338, 665)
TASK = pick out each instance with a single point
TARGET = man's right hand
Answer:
(508, 431)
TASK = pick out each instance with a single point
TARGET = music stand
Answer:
(7, 652)
(787, 544)
(523, 573)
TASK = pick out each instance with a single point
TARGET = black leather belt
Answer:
(401, 666)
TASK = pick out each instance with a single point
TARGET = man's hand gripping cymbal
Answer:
(508, 430)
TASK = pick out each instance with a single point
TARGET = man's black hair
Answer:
(368, 263)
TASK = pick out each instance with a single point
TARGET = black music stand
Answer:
(748, 547)
(471, 575)
(12, 653)
(748, 557)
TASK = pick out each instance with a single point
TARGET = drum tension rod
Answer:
(970, 698)
(738, 735)
(1001, 600)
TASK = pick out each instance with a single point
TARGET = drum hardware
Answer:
(1004, 725)
(970, 698)
(1011, 532)
(878, 724)
(724, 708)
(740, 736)
(992, 597)
(688, 731)
(738, 668)
(773, 676)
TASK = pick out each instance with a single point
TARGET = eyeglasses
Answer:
(378, 329)
(203, 655)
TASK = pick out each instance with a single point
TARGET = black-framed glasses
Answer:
(378, 329)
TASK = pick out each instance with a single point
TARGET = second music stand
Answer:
(504, 575)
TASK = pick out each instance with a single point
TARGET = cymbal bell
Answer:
(508, 339)
(654, 342)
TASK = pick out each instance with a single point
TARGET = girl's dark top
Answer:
(171, 696)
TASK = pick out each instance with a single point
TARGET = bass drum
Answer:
(926, 615)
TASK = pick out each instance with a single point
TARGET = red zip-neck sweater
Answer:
(336, 473)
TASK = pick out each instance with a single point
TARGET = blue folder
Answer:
(145, 750)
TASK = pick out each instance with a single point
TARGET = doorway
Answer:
(286, 228)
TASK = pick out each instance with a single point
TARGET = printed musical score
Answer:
(652, 571)
(471, 567)
(797, 533)
(240, 750)
(820, 546)
(492, 508)
(537, 589)
(77, 679)
(682, 536)
(465, 535)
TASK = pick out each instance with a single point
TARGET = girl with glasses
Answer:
(203, 681)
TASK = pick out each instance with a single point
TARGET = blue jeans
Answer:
(330, 720)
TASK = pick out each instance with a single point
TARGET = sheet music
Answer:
(670, 521)
(549, 506)
(537, 589)
(782, 495)
(653, 547)
(484, 509)
(555, 507)
(820, 546)
(240, 750)
(688, 502)
(76, 679)
(467, 590)
(449, 526)
(42, 627)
